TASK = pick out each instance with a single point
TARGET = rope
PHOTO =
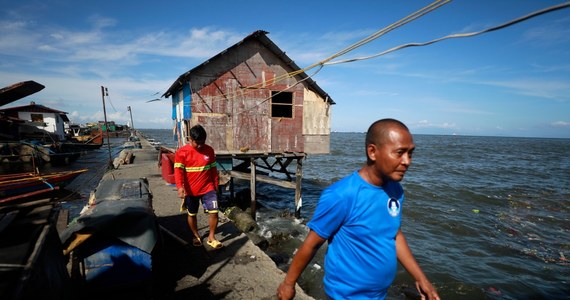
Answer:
(458, 35)
(110, 102)
(279, 92)
(46, 182)
(383, 31)
(377, 34)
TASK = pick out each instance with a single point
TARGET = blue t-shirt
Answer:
(360, 222)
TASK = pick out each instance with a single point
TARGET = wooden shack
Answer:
(42, 121)
(260, 110)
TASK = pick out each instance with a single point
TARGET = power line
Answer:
(375, 35)
(458, 35)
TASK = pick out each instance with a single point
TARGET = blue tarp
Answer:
(122, 210)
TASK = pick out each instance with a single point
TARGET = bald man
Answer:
(360, 218)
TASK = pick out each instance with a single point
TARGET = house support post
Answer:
(252, 186)
(298, 179)
(232, 191)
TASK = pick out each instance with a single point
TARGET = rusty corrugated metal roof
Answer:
(261, 36)
(33, 107)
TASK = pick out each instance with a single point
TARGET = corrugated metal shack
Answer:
(260, 110)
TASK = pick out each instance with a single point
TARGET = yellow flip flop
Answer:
(215, 244)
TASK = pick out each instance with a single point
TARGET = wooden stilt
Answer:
(268, 163)
(232, 194)
(252, 186)
(298, 179)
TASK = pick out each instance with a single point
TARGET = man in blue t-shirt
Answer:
(360, 217)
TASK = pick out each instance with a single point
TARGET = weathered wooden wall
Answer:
(316, 123)
(231, 98)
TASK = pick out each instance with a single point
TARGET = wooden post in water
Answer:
(252, 186)
(298, 179)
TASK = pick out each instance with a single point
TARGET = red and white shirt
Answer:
(195, 170)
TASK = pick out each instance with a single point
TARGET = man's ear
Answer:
(371, 152)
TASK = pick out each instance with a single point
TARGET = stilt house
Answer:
(251, 97)
(256, 105)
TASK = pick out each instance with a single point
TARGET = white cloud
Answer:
(561, 124)
(101, 22)
(428, 124)
(555, 89)
(553, 32)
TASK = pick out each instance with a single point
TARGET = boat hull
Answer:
(12, 185)
(31, 253)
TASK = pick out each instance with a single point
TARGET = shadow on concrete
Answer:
(200, 291)
(179, 259)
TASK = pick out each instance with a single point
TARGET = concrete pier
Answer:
(240, 270)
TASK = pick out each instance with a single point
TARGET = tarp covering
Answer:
(122, 209)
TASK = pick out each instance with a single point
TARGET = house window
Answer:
(281, 104)
(37, 118)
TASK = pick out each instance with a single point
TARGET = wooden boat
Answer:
(35, 152)
(156, 144)
(86, 139)
(14, 186)
(19, 90)
(74, 147)
(115, 240)
(32, 265)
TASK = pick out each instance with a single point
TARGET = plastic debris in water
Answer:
(494, 291)
(476, 211)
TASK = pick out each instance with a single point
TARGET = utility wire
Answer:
(329, 60)
(111, 102)
(377, 34)
(457, 35)
(279, 92)
(423, 11)
(364, 41)
(383, 31)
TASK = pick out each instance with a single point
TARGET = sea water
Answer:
(486, 217)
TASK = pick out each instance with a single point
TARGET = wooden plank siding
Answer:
(231, 96)
(255, 111)
(245, 112)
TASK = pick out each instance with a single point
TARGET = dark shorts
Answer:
(209, 202)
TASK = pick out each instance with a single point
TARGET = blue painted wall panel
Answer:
(186, 92)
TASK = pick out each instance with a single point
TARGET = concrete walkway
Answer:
(240, 270)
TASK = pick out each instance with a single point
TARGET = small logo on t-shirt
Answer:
(393, 207)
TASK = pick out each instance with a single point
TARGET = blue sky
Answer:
(510, 82)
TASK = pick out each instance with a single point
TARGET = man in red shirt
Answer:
(196, 179)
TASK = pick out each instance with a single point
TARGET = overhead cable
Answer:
(377, 34)
(457, 35)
